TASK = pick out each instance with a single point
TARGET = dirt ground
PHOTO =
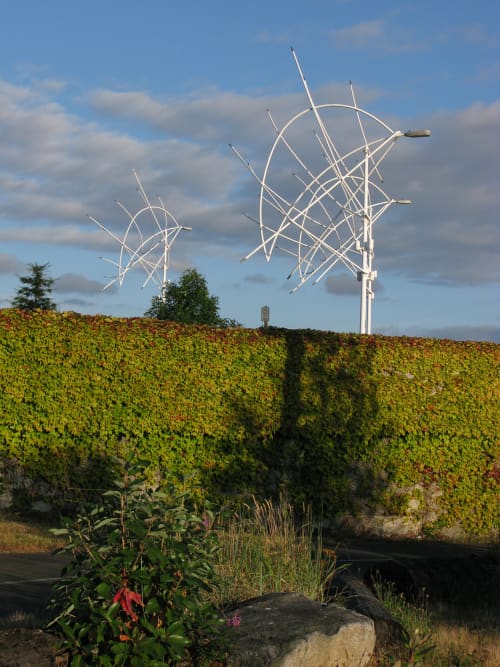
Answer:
(25, 647)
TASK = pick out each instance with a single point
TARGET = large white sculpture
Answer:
(326, 216)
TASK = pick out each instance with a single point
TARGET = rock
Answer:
(41, 506)
(289, 630)
(357, 596)
(377, 525)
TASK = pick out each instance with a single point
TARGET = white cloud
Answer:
(374, 35)
(273, 37)
(59, 235)
(10, 263)
(453, 332)
(450, 234)
(342, 284)
(475, 34)
(55, 167)
(74, 282)
(258, 279)
(75, 302)
(208, 115)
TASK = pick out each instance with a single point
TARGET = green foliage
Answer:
(188, 302)
(135, 590)
(35, 290)
(256, 411)
(416, 621)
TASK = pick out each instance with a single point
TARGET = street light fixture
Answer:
(417, 133)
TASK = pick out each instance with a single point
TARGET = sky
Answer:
(91, 92)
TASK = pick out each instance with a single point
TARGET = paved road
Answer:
(26, 579)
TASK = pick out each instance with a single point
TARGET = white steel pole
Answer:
(369, 256)
(364, 249)
(142, 242)
(163, 288)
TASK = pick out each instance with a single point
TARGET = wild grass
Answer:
(23, 619)
(265, 548)
(415, 619)
(26, 536)
(467, 630)
(438, 636)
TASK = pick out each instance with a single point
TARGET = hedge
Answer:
(255, 411)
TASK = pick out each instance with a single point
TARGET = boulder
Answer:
(356, 595)
(289, 630)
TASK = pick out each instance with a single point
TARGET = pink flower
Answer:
(234, 620)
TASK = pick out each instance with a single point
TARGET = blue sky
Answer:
(90, 91)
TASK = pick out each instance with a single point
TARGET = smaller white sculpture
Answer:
(149, 235)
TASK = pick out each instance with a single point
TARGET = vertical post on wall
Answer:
(264, 315)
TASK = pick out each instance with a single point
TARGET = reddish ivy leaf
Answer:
(126, 597)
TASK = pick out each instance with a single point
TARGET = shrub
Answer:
(135, 590)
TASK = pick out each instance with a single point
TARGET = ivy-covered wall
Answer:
(316, 413)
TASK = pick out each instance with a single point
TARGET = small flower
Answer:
(126, 597)
(234, 621)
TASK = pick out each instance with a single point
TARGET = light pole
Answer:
(367, 275)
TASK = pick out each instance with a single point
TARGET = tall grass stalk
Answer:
(265, 549)
(415, 619)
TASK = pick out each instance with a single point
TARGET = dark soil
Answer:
(25, 647)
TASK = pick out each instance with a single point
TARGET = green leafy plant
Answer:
(189, 302)
(135, 590)
(35, 290)
(415, 619)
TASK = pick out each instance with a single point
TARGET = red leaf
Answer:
(126, 597)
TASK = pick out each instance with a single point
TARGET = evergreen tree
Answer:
(188, 302)
(35, 290)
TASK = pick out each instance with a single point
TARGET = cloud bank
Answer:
(57, 166)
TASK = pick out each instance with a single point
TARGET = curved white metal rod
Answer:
(278, 139)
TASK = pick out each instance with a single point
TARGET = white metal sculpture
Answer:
(149, 235)
(325, 215)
